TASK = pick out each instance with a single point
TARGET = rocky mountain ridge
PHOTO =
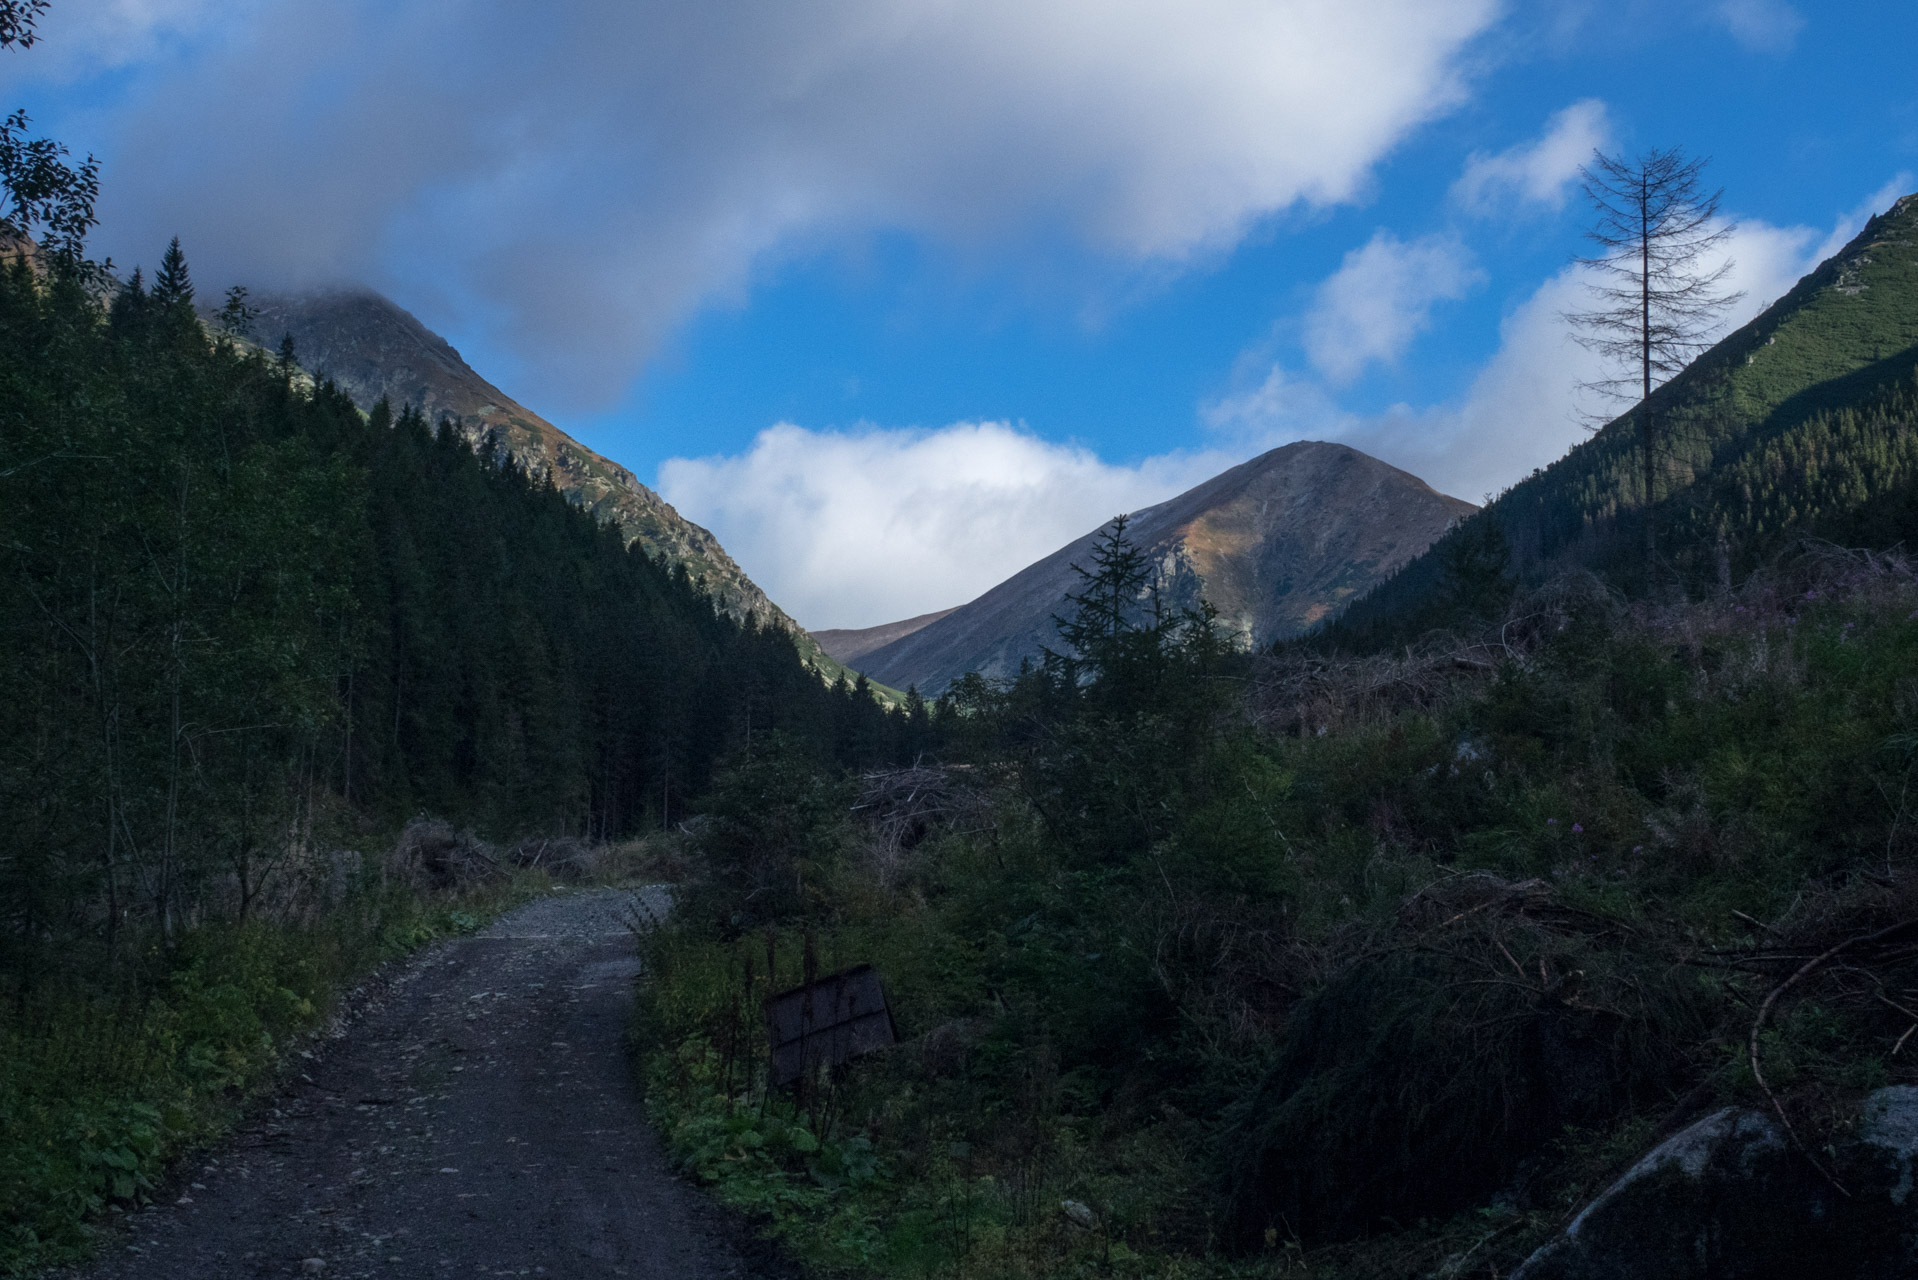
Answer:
(850, 644)
(1276, 545)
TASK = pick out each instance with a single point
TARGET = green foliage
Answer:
(46, 198)
(768, 825)
(1363, 1002)
(1114, 727)
(248, 628)
(17, 20)
(103, 1082)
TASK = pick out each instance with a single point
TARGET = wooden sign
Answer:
(827, 1022)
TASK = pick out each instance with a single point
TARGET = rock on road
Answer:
(478, 1117)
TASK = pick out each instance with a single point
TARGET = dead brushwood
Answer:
(1306, 694)
(562, 857)
(900, 808)
(1446, 1047)
(1853, 940)
(1806, 574)
(430, 854)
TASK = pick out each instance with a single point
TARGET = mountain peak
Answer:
(1275, 544)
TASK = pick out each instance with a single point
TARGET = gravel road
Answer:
(476, 1117)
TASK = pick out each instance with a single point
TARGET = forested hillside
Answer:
(371, 350)
(1798, 423)
(250, 633)
(226, 595)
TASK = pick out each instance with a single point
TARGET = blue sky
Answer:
(897, 297)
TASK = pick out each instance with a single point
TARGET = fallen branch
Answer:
(1804, 971)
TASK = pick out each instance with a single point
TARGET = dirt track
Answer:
(478, 1117)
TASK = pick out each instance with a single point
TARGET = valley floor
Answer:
(478, 1117)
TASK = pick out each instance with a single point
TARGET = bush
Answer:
(1448, 1050)
(765, 833)
(1391, 971)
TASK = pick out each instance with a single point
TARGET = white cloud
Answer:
(856, 528)
(1380, 298)
(1853, 220)
(1539, 172)
(852, 529)
(586, 177)
(1524, 409)
(82, 38)
(1763, 26)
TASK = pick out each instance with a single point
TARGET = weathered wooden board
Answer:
(827, 1022)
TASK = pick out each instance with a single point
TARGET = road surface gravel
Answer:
(475, 1115)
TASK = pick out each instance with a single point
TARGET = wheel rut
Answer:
(476, 1116)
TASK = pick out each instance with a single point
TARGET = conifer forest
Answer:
(413, 864)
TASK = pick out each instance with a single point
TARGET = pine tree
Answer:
(130, 304)
(173, 285)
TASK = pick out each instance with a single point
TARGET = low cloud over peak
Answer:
(857, 528)
(587, 176)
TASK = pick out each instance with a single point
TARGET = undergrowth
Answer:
(1402, 964)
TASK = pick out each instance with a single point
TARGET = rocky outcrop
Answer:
(1275, 545)
(1731, 1198)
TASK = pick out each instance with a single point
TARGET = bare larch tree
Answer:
(1656, 292)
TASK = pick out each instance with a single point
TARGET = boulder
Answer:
(1731, 1198)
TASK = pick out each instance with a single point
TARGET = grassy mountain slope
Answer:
(1749, 413)
(371, 348)
(1274, 544)
(850, 644)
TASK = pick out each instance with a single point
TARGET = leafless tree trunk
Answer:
(1656, 300)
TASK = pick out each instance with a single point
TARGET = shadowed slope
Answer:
(1275, 544)
(849, 644)
(1737, 475)
(371, 348)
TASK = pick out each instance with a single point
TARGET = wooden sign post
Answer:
(827, 1022)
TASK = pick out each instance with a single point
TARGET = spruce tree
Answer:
(130, 304)
(173, 284)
